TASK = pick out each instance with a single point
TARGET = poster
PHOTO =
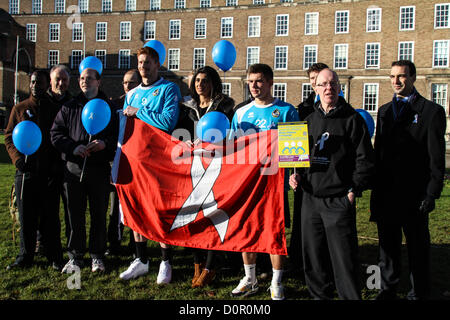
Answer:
(293, 145)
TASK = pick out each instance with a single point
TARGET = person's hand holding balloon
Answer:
(95, 146)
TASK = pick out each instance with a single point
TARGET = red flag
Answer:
(221, 197)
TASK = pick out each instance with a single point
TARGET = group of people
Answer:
(404, 169)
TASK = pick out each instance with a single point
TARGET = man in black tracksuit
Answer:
(342, 162)
(410, 168)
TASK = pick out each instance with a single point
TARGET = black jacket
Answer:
(410, 158)
(68, 132)
(345, 160)
(306, 107)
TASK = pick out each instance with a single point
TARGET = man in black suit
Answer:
(410, 167)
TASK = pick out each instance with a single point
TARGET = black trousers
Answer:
(295, 244)
(39, 209)
(330, 247)
(417, 238)
(115, 226)
(93, 189)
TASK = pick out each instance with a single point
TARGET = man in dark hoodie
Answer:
(69, 136)
(342, 162)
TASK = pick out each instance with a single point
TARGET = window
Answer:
(101, 31)
(285, 1)
(174, 29)
(106, 5)
(309, 56)
(373, 21)
(407, 17)
(53, 32)
(254, 26)
(344, 90)
(149, 29)
(226, 27)
(199, 58)
(53, 58)
(340, 56)
(372, 55)
(124, 59)
(370, 97)
(440, 53)
(14, 6)
(31, 31)
(231, 3)
(282, 25)
(306, 91)
(281, 57)
(252, 56)
(279, 91)
(155, 4)
(75, 59)
(83, 5)
(441, 13)
(226, 88)
(36, 6)
(125, 30)
(77, 32)
(130, 5)
(205, 3)
(406, 50)
(179, 4)
(439, 94)
(341, 21)
(311, 23)
(60, 6)
(173, 59)
(258, 1)
(200, 28)
(101, 55)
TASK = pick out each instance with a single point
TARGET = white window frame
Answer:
(148, 25)
(130, 5)
(52, 54)
(277, 64)
(101, 57)
(36, 7)
(258, 2)
(74, 66)
(31, 32)
(440, 97)
(447, 48)
(226, 88)
(124, 53)
(372, 27)
(98, 31)
(338, 21)
(200, 24)
(340, 64)
(447, 21)
(311, 23)
(282, 25)
(231, 3)
(226, 27)
(107, 5)
(125, 31)
(179, 4)
(400, 50)
(175, 29)
(306, 90)
(173, 54)
(154, 5)
(53, 32)
(196, 52)
(276, 88)
(77, 34)
(250, 60)
(307, 64)
(366, 56)
(205, 3)
(377, 95)
(60, 6)
(14, 6)
(83, 5)
(401, 16)
(254, 27)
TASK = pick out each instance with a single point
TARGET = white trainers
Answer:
(97, 265)
(165, 273)
(245, 288)
(136, 269)
(277, 291)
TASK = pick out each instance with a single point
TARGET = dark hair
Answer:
(135, 72)
(214, 80)
(317, 67)
(261, 68)
(150, 52)
(97, 75)
(406, 63)
(41, 73)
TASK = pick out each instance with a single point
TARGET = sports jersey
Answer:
(157, 104)
(258, 118)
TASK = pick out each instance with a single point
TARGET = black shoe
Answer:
(19, 264)
(386, 295)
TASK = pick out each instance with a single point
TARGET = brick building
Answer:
(357, 38)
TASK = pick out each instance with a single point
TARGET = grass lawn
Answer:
(40, 282)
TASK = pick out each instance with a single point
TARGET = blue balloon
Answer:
(95, 116)
(224, 54)
(213, 127)
(91, 62)
(158, 47)
(27, 137)
(368, 119)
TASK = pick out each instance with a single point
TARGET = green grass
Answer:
(40, 282)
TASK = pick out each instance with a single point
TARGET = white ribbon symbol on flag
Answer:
(322, 140)
(202, 196)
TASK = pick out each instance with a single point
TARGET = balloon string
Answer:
(84, 162)
(23, 180)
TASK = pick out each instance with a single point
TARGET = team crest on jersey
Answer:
(276, 113)
(156, 92)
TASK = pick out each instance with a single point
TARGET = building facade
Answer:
(357, 38)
